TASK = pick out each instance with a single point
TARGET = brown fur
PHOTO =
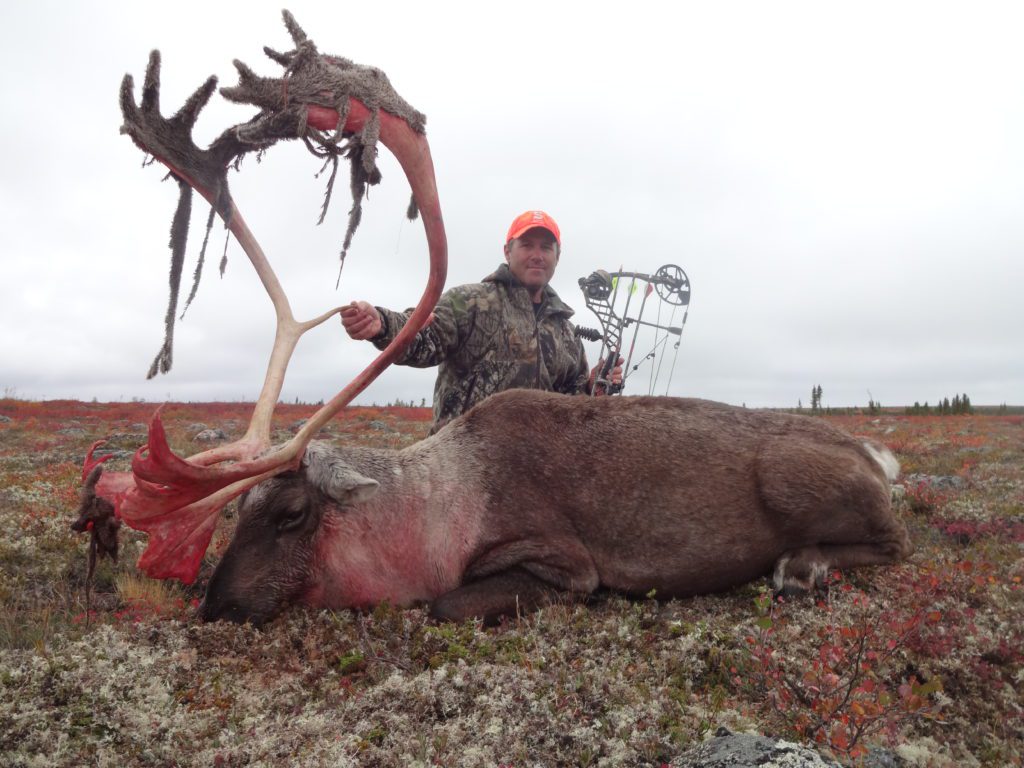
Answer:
(533, 495)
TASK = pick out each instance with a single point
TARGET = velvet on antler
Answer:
(177, 501)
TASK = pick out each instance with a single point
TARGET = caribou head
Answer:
(340, 110)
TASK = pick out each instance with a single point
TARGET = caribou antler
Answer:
(177, 501)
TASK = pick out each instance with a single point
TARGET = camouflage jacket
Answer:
(486, 338)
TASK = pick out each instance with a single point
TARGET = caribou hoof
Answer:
(797, 576)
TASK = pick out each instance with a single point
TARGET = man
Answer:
(509, 331)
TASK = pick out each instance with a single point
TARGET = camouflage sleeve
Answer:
(578, 381)
(432, 344)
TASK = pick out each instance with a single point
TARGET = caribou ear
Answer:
(349, 487)
(335, 478)
(346, 485)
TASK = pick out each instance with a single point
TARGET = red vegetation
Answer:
(852, 687)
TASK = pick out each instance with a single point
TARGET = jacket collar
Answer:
(551, 304)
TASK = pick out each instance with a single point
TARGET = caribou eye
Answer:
(291, 520)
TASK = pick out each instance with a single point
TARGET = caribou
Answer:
(529, 498)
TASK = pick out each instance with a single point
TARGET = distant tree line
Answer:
(817, 409)
(816, 399)
(400, 403)
(960, 404)
(874, 407)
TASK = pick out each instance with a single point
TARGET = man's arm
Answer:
(577, 383)
(380, 325)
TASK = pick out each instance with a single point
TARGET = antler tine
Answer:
(297, 33)
(151, 85)
(176, 500)
(189, 113)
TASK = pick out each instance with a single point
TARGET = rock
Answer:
(744, 750)
(123, 438)
(881, 758)
(938, 482)
(383, 426)
(5, 419)
(325, 431)
(210, 435)
(196, 427)
(117, 453)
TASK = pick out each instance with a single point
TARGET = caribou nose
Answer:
(218, 610)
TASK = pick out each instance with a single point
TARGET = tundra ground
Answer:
(921, 659)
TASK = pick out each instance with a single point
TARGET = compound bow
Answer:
(600, 290)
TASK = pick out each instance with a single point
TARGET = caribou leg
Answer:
(801, 570)
(508, 593)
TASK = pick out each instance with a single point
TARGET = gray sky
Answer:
(842, 182)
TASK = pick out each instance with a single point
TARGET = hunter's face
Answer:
(532, 258)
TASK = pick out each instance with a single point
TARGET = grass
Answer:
(936, 642)
(143, 595)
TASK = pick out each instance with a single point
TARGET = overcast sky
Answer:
(842, 182)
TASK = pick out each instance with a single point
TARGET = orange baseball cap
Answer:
(529, 220)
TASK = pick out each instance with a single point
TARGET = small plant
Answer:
(845, 692)
(351, 662)
(923, 497)
(142, 597)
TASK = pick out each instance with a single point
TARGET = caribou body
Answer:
(533, 496)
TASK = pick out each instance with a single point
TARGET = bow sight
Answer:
(600, 290)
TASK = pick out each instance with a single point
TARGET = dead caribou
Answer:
(507, 507)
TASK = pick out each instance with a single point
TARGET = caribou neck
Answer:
(407, 544)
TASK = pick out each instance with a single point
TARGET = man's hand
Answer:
(361, 320)
(613, 377)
